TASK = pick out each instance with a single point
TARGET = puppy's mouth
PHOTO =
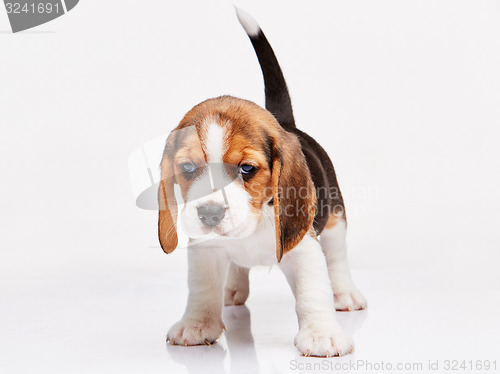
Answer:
(216, 230)
(219, 231)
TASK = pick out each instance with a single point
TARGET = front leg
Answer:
(202, 320)
(319, 332)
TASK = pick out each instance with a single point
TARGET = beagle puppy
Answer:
(249, 188)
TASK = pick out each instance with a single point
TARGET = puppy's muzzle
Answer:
(211, 214)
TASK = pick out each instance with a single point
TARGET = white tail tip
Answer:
(248, 22)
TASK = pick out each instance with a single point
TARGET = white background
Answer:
(404, 95)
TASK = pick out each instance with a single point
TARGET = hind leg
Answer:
(237, 286)
(333, 243)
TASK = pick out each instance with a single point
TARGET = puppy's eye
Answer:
(247, 170)
(187, 167)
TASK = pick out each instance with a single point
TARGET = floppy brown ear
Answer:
(294, 195)
(167, 217)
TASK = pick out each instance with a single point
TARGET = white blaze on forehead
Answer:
(216, 186)
(215, 144)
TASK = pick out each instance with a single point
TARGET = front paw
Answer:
(349, 300)
(321, 342)
(193, 332)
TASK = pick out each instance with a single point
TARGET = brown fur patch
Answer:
(332, 221)
(294, 195)
(189, 151)
(167, 215)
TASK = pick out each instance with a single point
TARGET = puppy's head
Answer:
(230, 158)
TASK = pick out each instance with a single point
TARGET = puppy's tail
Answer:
(277, 97)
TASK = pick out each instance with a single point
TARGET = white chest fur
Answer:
(256, 249)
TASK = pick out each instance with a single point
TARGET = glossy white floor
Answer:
(116, 322)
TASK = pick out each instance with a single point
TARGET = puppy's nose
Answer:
(211, 214)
